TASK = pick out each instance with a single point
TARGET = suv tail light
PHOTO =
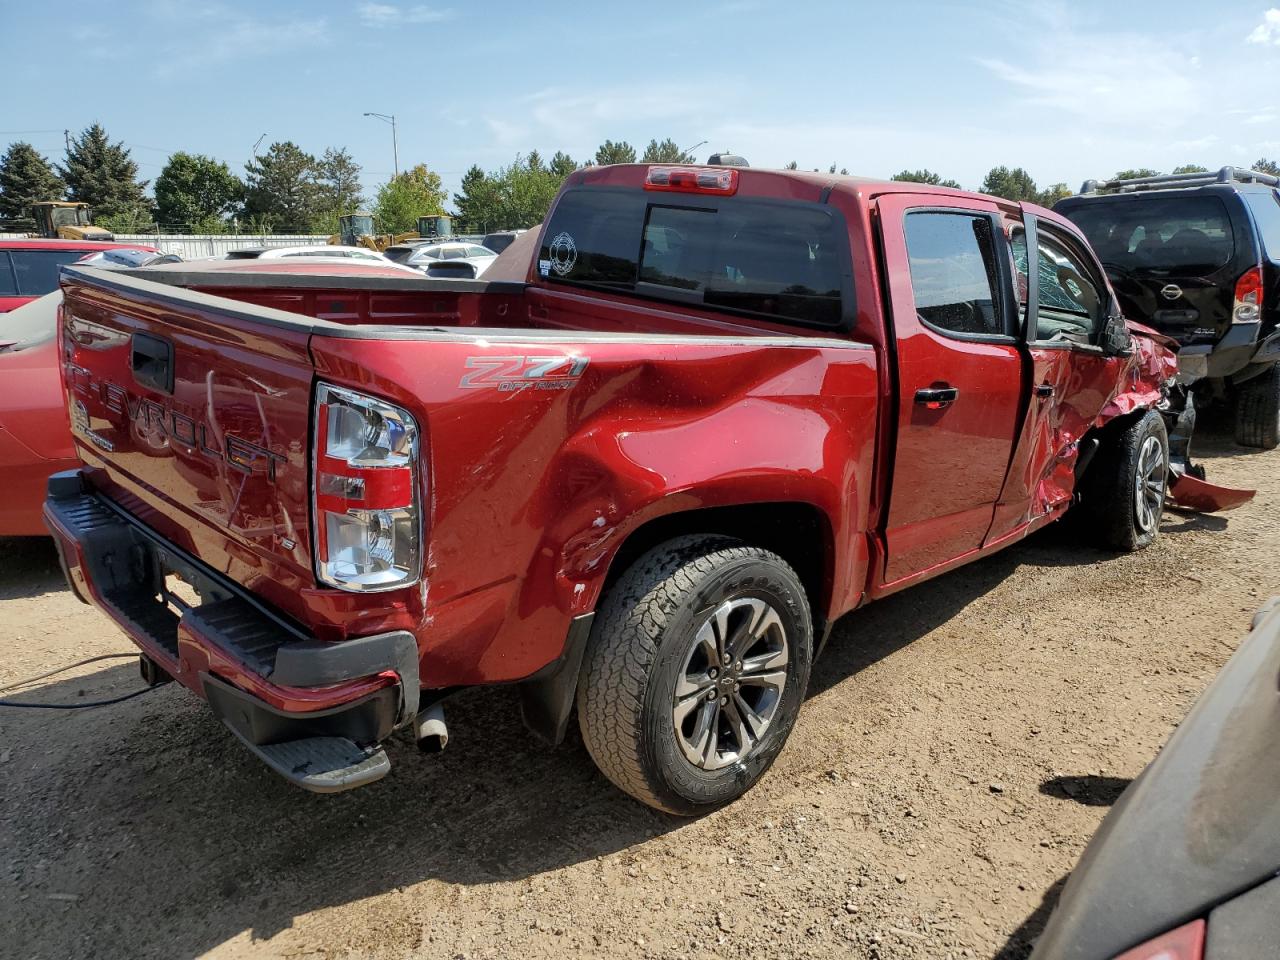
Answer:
(1248, 304)
(368, 524)
(1184, 943)
(717, 180)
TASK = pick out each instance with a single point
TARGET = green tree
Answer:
(134, 220)
(924, 175)
(665, 152)
(338, 182)
(193, 188)
(26, 177)
(477, 202)
(562, 164)
(1191, 168)
(103, 175)
(281, 189)
(415, 193)
(792, 166)
(1011, 184)
(1136, 173)
(1052, 194)
(610, 152)
(1263, 165)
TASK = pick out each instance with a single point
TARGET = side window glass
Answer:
(953, 276)
(8, 285)
(1071, 304)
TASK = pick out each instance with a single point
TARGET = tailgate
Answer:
(192, 412)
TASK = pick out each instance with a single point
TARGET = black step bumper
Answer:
(288, 696)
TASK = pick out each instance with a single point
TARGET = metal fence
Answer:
(195, 246)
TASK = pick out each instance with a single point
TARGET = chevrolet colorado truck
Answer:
(721, 408)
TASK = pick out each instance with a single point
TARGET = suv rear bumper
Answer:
(279, 690)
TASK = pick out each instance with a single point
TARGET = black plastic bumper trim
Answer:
(318, 664)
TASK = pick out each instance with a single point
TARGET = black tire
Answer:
(1258, 410)
(1112, 514)
(645, 640)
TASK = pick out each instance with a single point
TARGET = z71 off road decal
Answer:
(510, 374)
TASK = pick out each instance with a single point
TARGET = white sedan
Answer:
(322, 252)
(424, 255)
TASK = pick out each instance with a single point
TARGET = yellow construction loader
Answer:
(356, 230)
(64, 220)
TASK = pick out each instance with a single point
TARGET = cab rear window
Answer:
(36, 271)
(1158, 233)
(772, 259)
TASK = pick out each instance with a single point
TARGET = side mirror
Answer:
(1116, 339)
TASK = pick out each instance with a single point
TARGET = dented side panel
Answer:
(544, 453)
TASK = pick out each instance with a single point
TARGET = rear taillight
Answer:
(368, 524)
(1248, 304)
(1184, 943)
(717, 180)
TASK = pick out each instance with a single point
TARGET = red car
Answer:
(719, 409)
(34, 437)
(35, 440)
(29, 268)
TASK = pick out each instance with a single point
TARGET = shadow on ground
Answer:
(1023, 940)
(176, 840)
(29, 568)
(1090, 791)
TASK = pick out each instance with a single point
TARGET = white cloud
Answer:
(1268, 31)
(202, 34)
(373, 14)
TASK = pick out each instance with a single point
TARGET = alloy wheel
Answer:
(731, 683)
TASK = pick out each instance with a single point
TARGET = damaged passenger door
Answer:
(1062, 326)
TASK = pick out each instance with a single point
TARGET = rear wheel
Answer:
(696, 669)
(1124, 488)
(1258, 410)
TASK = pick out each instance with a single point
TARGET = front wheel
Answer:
(696, 669)
(1124, 489)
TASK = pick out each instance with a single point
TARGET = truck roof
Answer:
(755, 180)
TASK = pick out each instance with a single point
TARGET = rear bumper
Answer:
(263, 676)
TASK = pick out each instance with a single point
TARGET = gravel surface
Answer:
(960, 744)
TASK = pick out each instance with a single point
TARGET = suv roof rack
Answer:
(1174, 181)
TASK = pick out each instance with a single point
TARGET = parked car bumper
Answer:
(25, 476)
(313, 711)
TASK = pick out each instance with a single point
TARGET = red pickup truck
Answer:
(723, 407)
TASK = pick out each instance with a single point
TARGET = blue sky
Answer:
(1068, 90)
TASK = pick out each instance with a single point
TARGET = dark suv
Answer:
(1197, 256)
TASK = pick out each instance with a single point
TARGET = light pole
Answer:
(395, 147)
(689, 151)
(254, 151)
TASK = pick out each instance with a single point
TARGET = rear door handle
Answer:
(1044, 391)
(935, 398)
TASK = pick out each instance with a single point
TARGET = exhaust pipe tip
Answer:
(430, 729)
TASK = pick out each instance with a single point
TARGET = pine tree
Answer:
(26, 178)
(620, 152)
(668, 151)
(562, 165)
(338, 185)
(281, 190)
(103, 175)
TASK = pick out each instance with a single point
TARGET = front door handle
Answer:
(1044, 391)
(935, 398)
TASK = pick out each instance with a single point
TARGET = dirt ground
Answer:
(960, 744)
